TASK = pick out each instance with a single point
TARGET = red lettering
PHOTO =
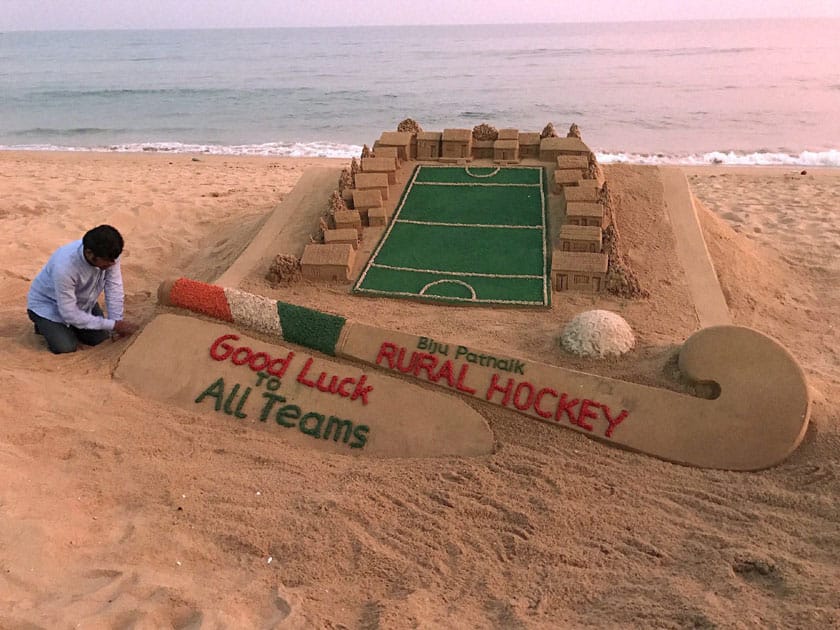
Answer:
(284, 365)
(239, 359)
(345, 381)
(539, 397)
(332, 388)
(426, 362)
(494, 387)
(387, 351)
(253, 362)
(361, 391)
(564, 406)
(586, 411)
(302, 374)
(228, 349)
(461, 376)
(528, 401)
(613, 422)
(405, 369)
(445, 370)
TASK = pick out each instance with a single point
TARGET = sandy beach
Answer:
(119, 511)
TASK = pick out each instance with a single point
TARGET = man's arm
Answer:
(114, 292)
(65, 297)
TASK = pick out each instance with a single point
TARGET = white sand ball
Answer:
(598, 334)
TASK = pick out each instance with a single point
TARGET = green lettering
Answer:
(339, 425)
(360, 434)
(288, 411)
(216, 390)
(314, 431)
(269, 404)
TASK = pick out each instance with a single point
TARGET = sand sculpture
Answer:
(599, 334)
(284, 268)
(757, 417)
(587, 255)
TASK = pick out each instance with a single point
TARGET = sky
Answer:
(46, 15)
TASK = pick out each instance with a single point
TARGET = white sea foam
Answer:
(830, 158)
(733, 158)
(270, 149)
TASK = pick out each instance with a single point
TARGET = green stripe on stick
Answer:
(310, 328)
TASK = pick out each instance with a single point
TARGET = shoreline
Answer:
(313, 151)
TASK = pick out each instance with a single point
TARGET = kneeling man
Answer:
(63, 297)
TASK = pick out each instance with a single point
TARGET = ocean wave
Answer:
(829, 158)
(727, 158)
(269, 149)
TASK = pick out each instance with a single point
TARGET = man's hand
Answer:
(124, 328)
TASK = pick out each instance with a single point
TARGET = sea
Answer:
(690, 92)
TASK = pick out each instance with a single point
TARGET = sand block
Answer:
(506, 151)
(456, 146)
(388, 152)
(580, 238)
(758, 419)
(586, 271)
(364, 200)
(589, 183)
(328, 262)
(377, 217)
(585, 213)
(347, 219)
(590, 262)
(580, 193)
(400, 140)
(344, 236)
(381, 165)
(580, 162)
(367, 181)
(550, 148)
(482, 149)
(529, 145)
(192, 364)
(566, 177)
(509, 134)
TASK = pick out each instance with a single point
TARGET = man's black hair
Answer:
(104, 241)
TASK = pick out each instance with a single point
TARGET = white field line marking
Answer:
(461, 282)
(451, 299)
(476, 185)
(545, 270)
(477, 274)
(476, 225)
(490, 174)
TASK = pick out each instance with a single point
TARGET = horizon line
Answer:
(346, 26)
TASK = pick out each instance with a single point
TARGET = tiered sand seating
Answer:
(580, 238)
(344, 236)
(345, 219)
(529, 146)
(364, 200)
(402, 141)
(456, 145)
(585, 213)
(381, 165)
(372, 181)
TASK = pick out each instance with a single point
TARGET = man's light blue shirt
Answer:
(66, 290)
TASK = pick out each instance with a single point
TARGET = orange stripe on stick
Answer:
(202, 298)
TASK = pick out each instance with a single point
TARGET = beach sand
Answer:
(118, 511)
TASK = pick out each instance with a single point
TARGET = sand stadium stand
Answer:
(465, 235)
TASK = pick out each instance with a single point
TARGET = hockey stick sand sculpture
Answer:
(757, 420)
